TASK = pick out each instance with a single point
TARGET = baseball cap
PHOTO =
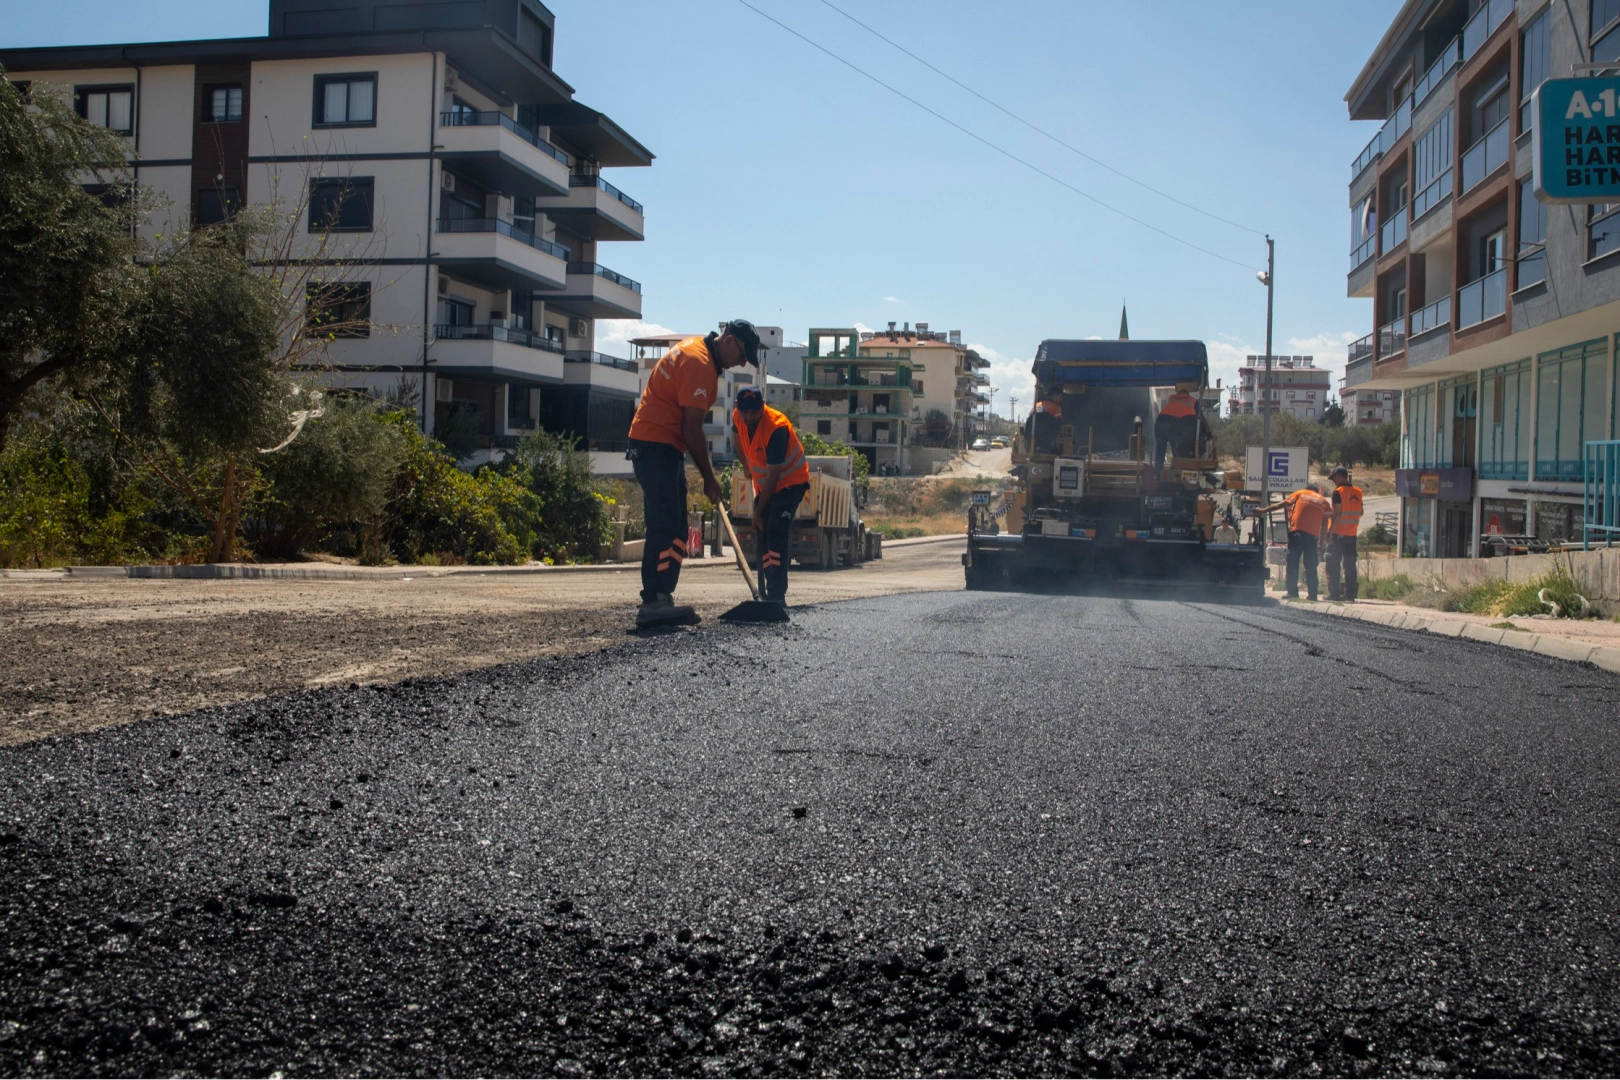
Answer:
(1339, 469)
(744, 332)
(749, 398)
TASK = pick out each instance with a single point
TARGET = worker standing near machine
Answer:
(1307, 516)
(668, 424)
(1341, 552)
(781, 475)
(1176, 429)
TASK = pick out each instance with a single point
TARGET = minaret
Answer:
(1124, 327)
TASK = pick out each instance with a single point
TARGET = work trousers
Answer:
(774, 542)
(1341, 553)
(661, 471)
(1302, 546)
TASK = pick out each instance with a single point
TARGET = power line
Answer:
(1037, 129)
(980, 138)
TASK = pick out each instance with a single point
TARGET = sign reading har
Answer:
(1576, 141)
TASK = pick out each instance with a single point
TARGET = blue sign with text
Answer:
(1576, 145)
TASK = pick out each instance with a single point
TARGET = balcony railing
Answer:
(578, 180)
(469, 118)
(1449, 57)
(489, 332)
(582, 356)
(1485, 156)
(1478, 30)
(1392, 232)
(1361, 348)
(603, 272)
(1397, 125)
(1364, 251)
(1433, 317)
(1482, 299)
(1431, 196)
(505, 228)
(1392, 337)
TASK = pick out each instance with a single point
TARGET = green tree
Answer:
(65, 254)
(1333, 415)
(573, 519)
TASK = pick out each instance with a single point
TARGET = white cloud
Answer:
(611, 333)
(891, 299)
(1008, 375)
(1327, 348)
(862, 328)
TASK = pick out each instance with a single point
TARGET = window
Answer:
(339, 309)
(1431, 155)
(1535, 65)
(346, 100)
(454, 312)
(824, 427)
(1605, 43)
(1504, 450)
(1490, 106)
(223, 104)
(341, 204)
(1572, 406)
(111, 107)
(217, 204)
(462, 113)
(1603, 229)
(917, 387)
(1532, 235)
(518, 406)
(1492, 252)
(1418, 437)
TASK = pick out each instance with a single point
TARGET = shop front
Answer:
(1437, 512)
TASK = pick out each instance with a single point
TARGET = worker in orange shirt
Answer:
(1307, 516)
(668, 424)
(770, 448)
(1346, 526)
(1175, 429)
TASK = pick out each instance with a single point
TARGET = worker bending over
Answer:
(1308, 512)
(668, 424)
(1341, 552)
(781, 475)
(1176, 429)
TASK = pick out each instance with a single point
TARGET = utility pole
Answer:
(1269, 280)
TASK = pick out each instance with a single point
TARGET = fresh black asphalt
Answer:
(962, 833)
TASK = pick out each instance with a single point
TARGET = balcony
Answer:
(1392, 338)
(1358, 370)
(602, 372)
(1364, 251)
(1485, 157)
(499, 255)
(1392, 233)
(1449, 57)
(595, 292)
(1361, 349)
(1432, 196)
(597, 209)
(1485, 22)
(501, 352)
(493, 150)
(1482, 299)
(1396, 126)
(1433, 317)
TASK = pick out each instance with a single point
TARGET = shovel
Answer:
(755, 610)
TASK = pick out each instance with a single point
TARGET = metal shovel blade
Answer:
(756, 611)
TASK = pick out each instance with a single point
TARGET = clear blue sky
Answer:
(792, 191)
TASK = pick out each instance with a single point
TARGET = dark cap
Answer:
(1337, 470)
(749, 398)
(744, 332)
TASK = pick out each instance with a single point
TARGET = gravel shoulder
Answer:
(85, 654)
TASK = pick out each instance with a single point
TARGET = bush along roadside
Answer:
(1553, 595)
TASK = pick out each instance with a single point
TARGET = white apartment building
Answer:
(1370, 406)
(1298, 387)
(459, 186)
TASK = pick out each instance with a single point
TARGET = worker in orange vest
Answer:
(1308, 511)
(769, 446)
(1341, 552)
(681, 389)
(1176, 428)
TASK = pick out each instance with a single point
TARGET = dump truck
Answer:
(827, 529)
(1091, 508)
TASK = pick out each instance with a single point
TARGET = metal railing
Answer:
(490, 332)
(1397, 125)
(1361, 347)
(1366, 250)
(504, 228)
(603, 272)
(1392, 337)
(1601, 498)
(1481, 299)
(1449, 57)
(1485, 156)
(468, 118)
(1392, 233)
(1485, 22)
(1430, 197)
(1433, 317)
(583, 356)
(595, 181)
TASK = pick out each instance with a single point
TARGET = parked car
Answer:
(998, 443)
(981, 444)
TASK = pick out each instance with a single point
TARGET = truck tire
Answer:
(828, 558)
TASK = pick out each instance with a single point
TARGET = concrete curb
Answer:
(1556, 646)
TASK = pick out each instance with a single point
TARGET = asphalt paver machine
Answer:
(1094, 506)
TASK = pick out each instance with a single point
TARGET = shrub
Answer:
(436, 508)
(49, 512)
(568, 518)
(1398, 587)
(1561, 589)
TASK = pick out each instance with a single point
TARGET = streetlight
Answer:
(1267, 277)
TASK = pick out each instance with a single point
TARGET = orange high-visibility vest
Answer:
(1347, 516)
(1307, 511)
(795, 469)
(1180, 404)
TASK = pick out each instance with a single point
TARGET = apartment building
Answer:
(1494, 316)
(1298, 387)
(949, 381)
(1370, 406)
(867, 401)
(443, 171)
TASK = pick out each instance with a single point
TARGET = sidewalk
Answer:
(1594, 641)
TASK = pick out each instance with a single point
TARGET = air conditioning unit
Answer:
(443, 389)
(447, 181)
(578, 328)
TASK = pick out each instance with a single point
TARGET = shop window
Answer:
(1459, 402)
(1572, 405)
(1558, 523)
(1419, 436)
(1505, 425)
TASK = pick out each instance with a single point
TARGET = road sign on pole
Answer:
(1576, 140)
(1277, 469)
